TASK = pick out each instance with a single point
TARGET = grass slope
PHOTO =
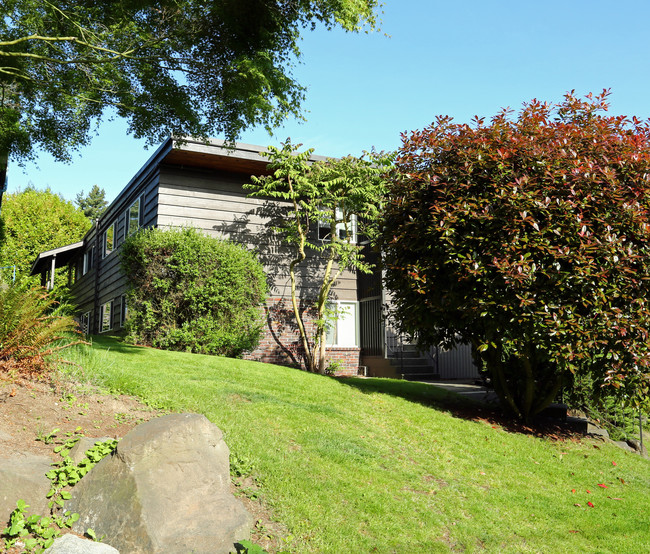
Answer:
(372, 465)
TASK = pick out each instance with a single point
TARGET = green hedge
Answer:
(189, 292)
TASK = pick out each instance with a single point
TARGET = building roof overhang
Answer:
(217, 154)
(61, 257)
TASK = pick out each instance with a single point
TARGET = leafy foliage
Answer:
(35, 221)
(67, 474)
(530, 239)
(192, 292)
(39, 532)
(341, 194)
(93, 204)
(35, 532)
(31, 336)
(179, 67)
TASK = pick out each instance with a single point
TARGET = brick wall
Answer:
(281, 343)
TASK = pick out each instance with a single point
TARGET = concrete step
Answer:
(408, 354)
(421, 376)
(420, 368)
(408, 361)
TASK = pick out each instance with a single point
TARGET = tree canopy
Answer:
(529, 238)
(35, 221)
(179, 67)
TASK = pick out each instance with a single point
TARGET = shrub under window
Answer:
(193, 293)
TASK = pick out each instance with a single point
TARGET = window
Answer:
(133, 217)
(344, 331)
(109, 240)
(105, 317)
(85, 323)
(89, 260)
(324, 229)
(123, 311)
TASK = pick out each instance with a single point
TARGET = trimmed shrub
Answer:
(189, 292)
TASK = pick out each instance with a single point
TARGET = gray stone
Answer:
(624, 445)
(78, 451)
(71, 544)
(165, 489)
(23, 477)
(636, 446)
(596, 431)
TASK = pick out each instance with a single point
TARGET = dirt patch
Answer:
(35, 417)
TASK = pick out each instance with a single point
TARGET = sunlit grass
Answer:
(360, 465)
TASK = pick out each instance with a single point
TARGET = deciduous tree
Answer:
(181, 67)
(35, 221)
(344, 195)
(528, 237)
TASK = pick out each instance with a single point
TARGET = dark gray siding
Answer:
(217, 204)
(105, 282)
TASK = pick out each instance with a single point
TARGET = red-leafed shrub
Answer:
(529, 238)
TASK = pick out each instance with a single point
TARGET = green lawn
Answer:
(368, 465)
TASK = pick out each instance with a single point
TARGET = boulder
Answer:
(165, 489)
(23, 477)
(71, 544)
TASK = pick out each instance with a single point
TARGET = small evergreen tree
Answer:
(94, 204)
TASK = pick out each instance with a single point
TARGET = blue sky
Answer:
(461, 58)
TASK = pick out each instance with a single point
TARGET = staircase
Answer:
(413, 365)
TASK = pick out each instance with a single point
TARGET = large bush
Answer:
(529, 238)
(192, 293)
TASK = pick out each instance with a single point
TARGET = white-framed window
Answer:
(324, 229)
(133, 217)
(89, 260)
(85, 322)
(344, 330)
(108, 240)
(106, 317)
(123, 310)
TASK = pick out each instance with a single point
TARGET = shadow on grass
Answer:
(116, 344)
(459, 406)
(421, 393)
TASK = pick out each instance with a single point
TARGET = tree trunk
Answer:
(309, 357)
(4, 162)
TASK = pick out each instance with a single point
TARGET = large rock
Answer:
(71, 544)
(23, 477)
(165, 489)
